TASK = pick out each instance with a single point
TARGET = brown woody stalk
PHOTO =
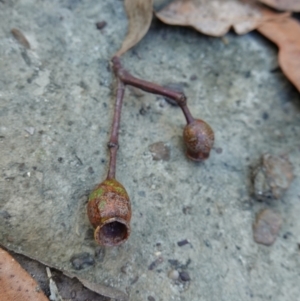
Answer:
(113, 143)
(109, 208)
(125, 78)
(198, 135)
(153, 88)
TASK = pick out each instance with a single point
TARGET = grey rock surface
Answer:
(62, 88)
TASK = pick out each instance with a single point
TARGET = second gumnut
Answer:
(199, 139)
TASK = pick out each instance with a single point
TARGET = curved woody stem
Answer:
(113, 144)
(109, 208)
(125, 78)
(153, 88)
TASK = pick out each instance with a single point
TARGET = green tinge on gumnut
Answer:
(109, 212)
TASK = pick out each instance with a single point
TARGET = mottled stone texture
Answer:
(62, 87)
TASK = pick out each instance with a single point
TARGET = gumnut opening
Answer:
(199, 139)
(113, 232)
(109, 212)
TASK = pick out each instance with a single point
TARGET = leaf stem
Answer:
(113, 144)
(153, 88)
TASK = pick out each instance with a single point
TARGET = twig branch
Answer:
(198, 135)
(109, 209)
(153, 88)
(113, 144)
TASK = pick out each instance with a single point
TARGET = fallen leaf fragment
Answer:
(64, 286)
(285, 33)
(15, 283)
(289, 5)
(214, 17)
(139, 14)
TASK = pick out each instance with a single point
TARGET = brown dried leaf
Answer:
(139, 14)
(285, 33)
(214, 17)
(289, 5)
(16, 283)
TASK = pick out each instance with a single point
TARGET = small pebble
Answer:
(187, 210)
(173, 262)
(193, 77)
(272, 177)
(30, 130)
(173, 274)
(219, 150)
(266, 227)
(155, 263)
(91, 170)
(81, 261)
(287, 235)
(184, 276)
(101, 25)
(143, 111)
(160, 151)
(182, 242)
(150, 298)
